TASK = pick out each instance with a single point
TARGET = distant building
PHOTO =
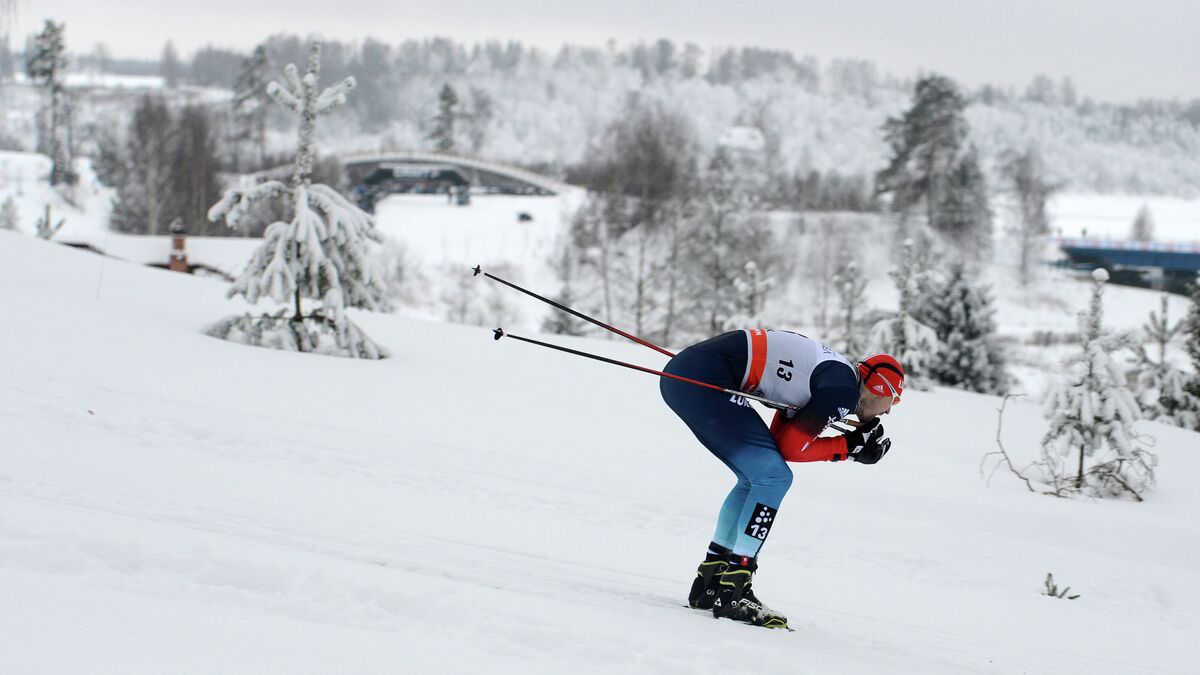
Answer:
(748, 140)
(746, 146)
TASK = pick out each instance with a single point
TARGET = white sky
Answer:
(1114, 50)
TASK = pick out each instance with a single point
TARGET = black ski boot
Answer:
(704, 587)
(736, 600)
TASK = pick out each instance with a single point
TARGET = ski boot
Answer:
(736, 600)
(704, 586)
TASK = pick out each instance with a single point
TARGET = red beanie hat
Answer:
(883, 375)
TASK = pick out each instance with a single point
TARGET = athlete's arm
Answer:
(834, 395)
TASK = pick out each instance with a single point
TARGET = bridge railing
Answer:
(1129, 245)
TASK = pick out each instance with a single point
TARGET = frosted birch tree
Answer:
(1091, 447)
(324, 254)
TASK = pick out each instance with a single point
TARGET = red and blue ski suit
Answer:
(778, 365)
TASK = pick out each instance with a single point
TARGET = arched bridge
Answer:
(370, 177)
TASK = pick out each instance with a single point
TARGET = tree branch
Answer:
(1003, 454)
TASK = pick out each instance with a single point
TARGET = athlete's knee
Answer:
(779, 477)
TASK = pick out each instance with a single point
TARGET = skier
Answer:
(789, 368)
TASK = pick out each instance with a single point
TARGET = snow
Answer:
(174, 503)
(443, 240)
(1111, 216)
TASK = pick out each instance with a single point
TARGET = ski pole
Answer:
(478, 270)
(499, 333)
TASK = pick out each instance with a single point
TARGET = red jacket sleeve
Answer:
(798, 445)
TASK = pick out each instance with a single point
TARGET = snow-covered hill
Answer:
(173, 503)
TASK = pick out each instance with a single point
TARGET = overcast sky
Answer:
(1116, 50)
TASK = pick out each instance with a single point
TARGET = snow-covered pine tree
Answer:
(324, 253)
(750, 288)
(913, 343)
(964, 215)
(851, 288)
(8, 67)
(1160, 387)
(961, 314)
(45, 66)
(719, 231)
(443, 125)
(1143, 225)
(142, 171)
(9, 217)
(250, 101)
(926, 144)
(170, 67)
(195, 187)
(1166, 393)
(566, 267)
(1191, 330)
(1091, 447)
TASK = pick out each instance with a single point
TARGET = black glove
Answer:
(868, 444)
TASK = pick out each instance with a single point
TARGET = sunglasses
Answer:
(871, 371)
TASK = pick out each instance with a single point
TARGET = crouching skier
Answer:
(792, 369)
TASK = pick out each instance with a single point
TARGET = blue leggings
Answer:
(734, 432)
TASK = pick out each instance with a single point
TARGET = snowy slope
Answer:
(173, 503)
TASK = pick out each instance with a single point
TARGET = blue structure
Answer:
(1165, 265)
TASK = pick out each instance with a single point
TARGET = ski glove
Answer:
(868, 444)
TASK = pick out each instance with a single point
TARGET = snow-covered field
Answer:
(173, 503)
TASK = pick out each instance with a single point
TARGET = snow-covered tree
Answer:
(8, 67)
(169, 66)
(443, 124)
(45, 66)
(1166, 393)
(9, 217)
(751, 288)
(718, 242)
(479, 119)
(963, 215)
(194, 181)
(902, 335)
(250, 102)
(960, 312)
(1162, 389)
(566, 267)
(324, 254)
(851, 286)
(375, 84)
(1143, 225)
(1191, 330)
(1091, 446)
(142, 171)
(1026, 176)
(926, 144)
